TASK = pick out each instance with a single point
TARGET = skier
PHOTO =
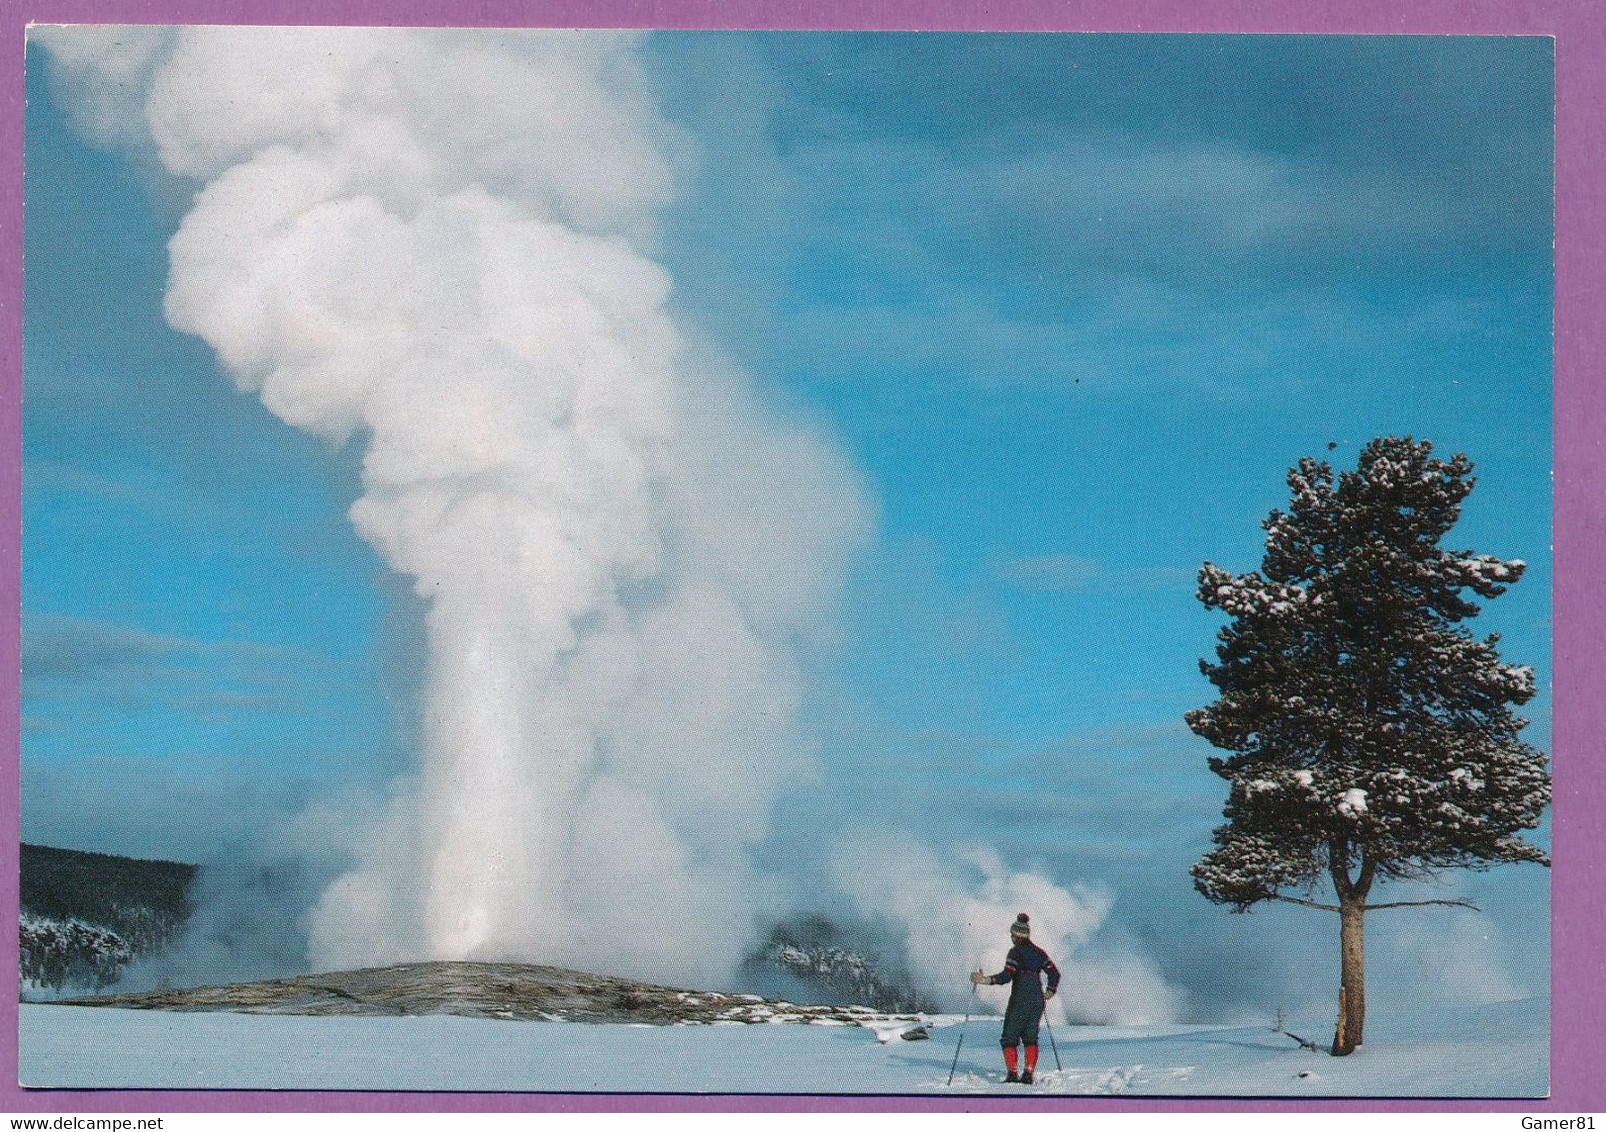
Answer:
(1023, 967)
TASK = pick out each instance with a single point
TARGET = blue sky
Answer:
(1071, 305)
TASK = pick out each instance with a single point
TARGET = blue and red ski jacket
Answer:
(1028, 962)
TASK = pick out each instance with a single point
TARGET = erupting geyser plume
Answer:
(437, 243)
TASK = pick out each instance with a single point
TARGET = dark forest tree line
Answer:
(86, 916)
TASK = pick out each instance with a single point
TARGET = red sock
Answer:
(1031, 1059)
(1009, 1057)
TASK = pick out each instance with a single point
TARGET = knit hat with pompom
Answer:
(1021, 926)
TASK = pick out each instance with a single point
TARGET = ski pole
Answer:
(1052, 1044)
(961, 1043)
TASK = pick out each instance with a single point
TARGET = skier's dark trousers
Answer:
(1023, 969)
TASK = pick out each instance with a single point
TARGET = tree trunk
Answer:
(1352, 991)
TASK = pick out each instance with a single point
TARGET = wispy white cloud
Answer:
(80, 671)
(1142, 249)
(1133, 337)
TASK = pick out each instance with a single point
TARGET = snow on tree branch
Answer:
(1362, 724)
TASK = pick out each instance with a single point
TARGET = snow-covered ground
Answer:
(1489, 1051)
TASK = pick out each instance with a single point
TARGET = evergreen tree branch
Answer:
(1304, 903)
(1424, 903)
(1363, 884)
(1338, 865)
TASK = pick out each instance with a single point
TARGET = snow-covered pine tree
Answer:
(1371, 735)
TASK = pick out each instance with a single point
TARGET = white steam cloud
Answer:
(1454, 957)
(439, 243)
(957, 918)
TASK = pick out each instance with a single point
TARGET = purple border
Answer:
(1578, 1018)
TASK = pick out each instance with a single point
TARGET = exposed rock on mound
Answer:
(493, 990)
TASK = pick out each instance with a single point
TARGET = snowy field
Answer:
(1489, 1051)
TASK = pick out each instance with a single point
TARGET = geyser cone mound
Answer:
(518, 991)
